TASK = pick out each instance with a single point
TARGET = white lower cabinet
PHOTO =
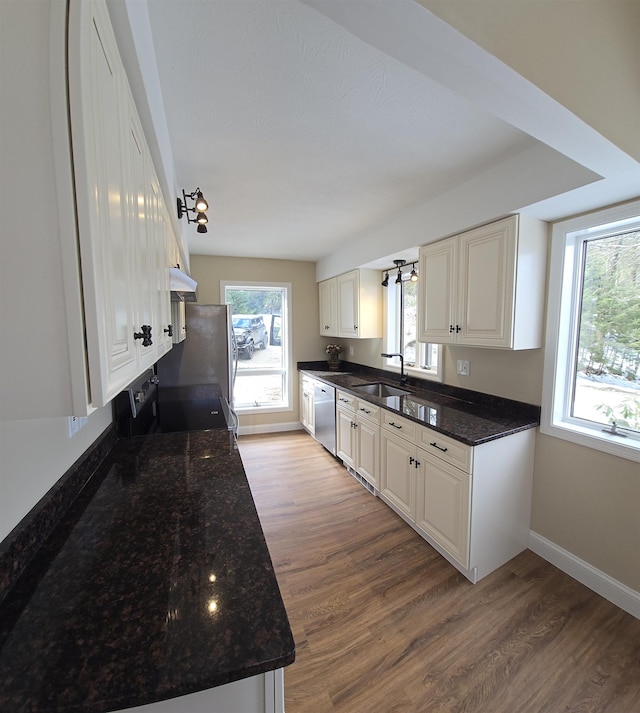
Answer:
(472, 504)
(443, 505)
(398, 473)
(345, 436)
(358, 436)
(307, 406)
(263, 693)
(367, 441)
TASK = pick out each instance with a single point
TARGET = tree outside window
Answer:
(591, 391)
(606, 386)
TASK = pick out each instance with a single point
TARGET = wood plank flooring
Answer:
(383, 624)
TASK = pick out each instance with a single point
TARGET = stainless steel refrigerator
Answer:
(196, 378)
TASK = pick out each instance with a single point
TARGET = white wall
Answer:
(307, 344)
(34, 455)
(585, 53)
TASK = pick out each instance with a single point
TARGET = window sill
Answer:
(240, 410)
(620, 446)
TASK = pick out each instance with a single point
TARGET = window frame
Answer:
(287, 402)
(390, 339)
(563, 312)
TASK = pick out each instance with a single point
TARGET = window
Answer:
(260, 317)
(592, 367)
(401, 332)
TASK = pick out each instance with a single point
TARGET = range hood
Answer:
(183, 288)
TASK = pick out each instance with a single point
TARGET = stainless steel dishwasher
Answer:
(324, 404)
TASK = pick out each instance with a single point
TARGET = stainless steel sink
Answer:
(380, 390)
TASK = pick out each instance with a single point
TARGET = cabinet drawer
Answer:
(445, 448)
(367, 410)
(346, 400)
(396, 424)
(308, 384)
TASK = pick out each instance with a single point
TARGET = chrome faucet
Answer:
(403, 378)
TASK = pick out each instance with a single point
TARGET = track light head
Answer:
(201, 203)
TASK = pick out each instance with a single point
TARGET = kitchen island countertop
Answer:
(157, 583)
(469, 417)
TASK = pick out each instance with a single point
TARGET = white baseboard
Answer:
(601, 583)
(269, 428)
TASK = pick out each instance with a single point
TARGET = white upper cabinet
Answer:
(122, 223)
(165, 243)
(328, 294)
(485, 287)
(350, 305)
(438, 271)
(100, 131)
(97, 249)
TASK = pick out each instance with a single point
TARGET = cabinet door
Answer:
(307, 405)
(98, 113)
(486, 284)
(442, 507)
(348, 301)
(367, 448)
(345, 436)
(398, 472)
(163, 327)
(328, 293)
(436, 302)
(142, 224)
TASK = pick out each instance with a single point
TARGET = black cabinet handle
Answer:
(145, 335)
(392, 423)
(440, 448)
(169, 331)
(455, 329)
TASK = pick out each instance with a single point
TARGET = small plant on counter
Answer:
(334, 351)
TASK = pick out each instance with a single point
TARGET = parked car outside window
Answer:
(251, 333)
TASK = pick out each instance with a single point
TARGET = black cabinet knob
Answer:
(144, 334)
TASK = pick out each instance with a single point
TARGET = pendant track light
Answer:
(399, 264)
(199, 208)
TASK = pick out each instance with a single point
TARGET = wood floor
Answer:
(383, 624)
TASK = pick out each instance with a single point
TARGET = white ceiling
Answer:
(304, 136)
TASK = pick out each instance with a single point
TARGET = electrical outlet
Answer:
(350, 351)
(463, 367)
(75, 423)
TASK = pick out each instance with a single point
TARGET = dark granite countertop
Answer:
(468, 416)
(157, 583)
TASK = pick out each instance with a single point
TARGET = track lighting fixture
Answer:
(199, 208)
(399, 264)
